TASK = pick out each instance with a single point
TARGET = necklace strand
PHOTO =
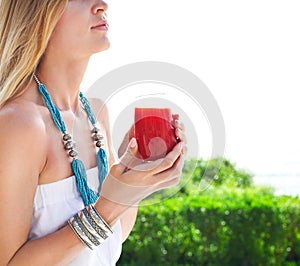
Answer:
(87, 194)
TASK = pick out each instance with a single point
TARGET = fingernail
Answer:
(132, 143)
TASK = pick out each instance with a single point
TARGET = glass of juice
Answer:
(154, 132)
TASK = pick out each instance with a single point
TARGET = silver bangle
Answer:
(90, 227)
(95, 226)
(76, 229)
(92, 239)
(99, 220)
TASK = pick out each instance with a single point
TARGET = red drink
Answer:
(154, 132)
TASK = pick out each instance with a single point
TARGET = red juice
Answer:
(154, 132)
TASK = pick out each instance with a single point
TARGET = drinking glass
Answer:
(154, 132)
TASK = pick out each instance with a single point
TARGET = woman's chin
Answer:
(104, 46)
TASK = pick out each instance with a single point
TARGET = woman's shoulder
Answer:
(100, 109)
(97, 104)
(22, 118)
(24, 138)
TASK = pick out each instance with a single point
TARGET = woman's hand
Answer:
(180, 132)
(132, 180)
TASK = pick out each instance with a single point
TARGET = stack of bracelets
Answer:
(90, 227)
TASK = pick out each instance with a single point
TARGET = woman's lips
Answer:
(103, 25)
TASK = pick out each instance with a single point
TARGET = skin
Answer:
(32, 153)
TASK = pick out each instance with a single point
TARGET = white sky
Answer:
(246, 52)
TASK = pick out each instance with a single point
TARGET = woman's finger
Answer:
(180, 135)
(178, 124)
(165, 178)
(175, 116)
(129, 158)
(184, 150)
(146, 169)
(169, 160)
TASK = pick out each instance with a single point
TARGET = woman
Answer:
(45, 47)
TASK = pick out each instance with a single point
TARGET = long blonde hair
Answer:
(25, 29)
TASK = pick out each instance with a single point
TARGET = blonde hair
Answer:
(25, 29)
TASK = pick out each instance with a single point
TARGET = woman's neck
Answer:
(62, 79)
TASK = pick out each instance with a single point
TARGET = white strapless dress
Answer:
(56, 202)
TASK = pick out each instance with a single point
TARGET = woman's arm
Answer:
(22, 158)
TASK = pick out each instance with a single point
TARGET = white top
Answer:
(56, 202)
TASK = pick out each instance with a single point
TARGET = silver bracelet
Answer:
(99, 220)
(92, 239)
(77, 230)
(90, 227)
(93, 224)
(88, 224)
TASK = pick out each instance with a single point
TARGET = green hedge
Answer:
(224, 225)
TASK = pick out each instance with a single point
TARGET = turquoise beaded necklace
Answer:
(87, 194)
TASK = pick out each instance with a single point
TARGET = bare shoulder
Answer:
(21, 117)
(23, 130)
(99, 107)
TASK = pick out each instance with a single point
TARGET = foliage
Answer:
(220, 171)
(231, 223)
